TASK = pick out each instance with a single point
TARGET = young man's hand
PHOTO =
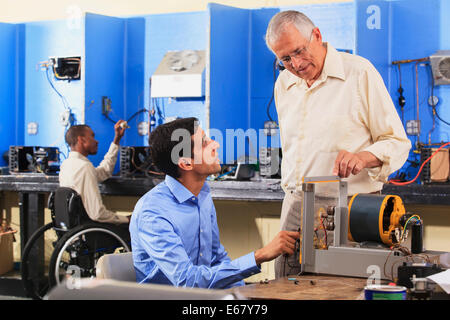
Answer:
(283, 243)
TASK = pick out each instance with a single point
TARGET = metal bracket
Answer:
(307, 223)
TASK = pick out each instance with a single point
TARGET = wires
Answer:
(107, 117)
(401, 98)
(414, 218)
(417, 101)
(158, 106)
(437, 115)
(421, 167)
(433, 104)
(325, 231)
(273, 89)
(408, 256)
(145, 166)
(63, 99)
(143, 109)
(322, 242)
(136, 113)
(67, 116)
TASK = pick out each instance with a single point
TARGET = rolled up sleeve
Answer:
(390, 143)
(105, 169)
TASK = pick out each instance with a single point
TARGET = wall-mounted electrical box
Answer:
(67, 68)
(179, 74)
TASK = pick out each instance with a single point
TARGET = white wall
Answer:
(14, 11)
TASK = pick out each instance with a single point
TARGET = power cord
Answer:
(421, 167)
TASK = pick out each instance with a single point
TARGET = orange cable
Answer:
(421, 167)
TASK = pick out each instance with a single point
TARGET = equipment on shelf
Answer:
(33, 159)
(136, 161)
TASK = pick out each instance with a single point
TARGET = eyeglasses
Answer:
(299, 53)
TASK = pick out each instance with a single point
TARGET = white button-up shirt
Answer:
(346, 108)
(78, 173)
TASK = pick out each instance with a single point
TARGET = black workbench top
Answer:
(263, 190)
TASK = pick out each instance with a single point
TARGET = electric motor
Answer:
(376, 218)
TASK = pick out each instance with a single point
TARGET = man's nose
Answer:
(296, 62)
(215, 145)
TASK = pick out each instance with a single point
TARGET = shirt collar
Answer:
(180, 192)
(77, 155)
(333, 67)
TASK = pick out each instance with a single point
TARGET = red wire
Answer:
(421, 167)
(324, 230)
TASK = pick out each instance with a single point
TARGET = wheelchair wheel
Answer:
(34, 269)
(77, 252)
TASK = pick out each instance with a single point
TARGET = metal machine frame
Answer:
(341, 258)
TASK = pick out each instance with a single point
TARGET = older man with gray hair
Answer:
(336, 118)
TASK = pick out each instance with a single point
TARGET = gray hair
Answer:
(279, 22)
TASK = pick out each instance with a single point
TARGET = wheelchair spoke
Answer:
(34, 262)
(79, 251)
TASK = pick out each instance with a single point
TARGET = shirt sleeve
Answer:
(92, 201)
(105, 169)
(220, 256)
(390, 143)
(161, 242)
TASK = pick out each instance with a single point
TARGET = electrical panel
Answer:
(413, 127)
(33, 159)
(67, 68)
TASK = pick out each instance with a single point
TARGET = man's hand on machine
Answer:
(347, 163)
(283, 243)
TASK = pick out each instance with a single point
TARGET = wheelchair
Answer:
(71, 242)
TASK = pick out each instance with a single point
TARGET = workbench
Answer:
(32, 188)
(306, 287)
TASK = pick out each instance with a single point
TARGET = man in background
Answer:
(78, 173)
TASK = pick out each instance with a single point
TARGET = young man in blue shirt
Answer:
(174, 232)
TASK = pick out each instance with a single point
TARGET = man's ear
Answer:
(185, 163)
(80, 140)
(317, 34)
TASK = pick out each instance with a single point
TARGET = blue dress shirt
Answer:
(175, 240)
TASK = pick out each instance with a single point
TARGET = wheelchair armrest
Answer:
(73, 203)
